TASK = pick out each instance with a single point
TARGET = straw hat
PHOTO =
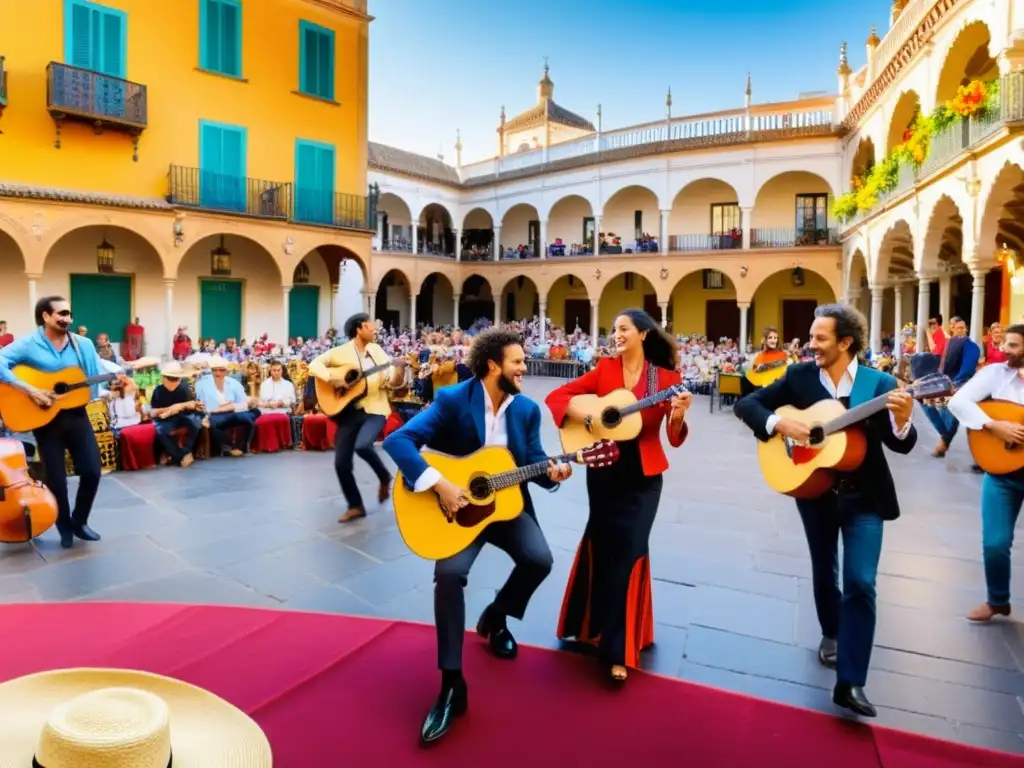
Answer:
(172, 370)
(217, 362)
(109, 718)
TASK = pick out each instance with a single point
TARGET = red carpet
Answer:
(335, 690)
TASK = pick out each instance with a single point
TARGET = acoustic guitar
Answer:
(337, 395)
(615, 416)
(27, 508)
(69, 387)
(767, 373)
(990, 452)
(836, 444)
(492, 479)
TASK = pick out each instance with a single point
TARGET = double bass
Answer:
(27, 508)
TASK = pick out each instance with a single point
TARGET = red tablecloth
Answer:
(318, 432)
(138, 447)
(273, 432)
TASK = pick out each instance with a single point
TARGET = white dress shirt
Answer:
(843, 390)
(997, 381)
(495, 433)
(271, 391)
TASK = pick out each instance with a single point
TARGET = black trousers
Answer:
(220, 423)
(190, 421)
(70, 431)
(522, 540)
(357, 431)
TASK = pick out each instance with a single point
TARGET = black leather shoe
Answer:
(853, 698)
(450, 704)
(85, 533)
(827, 650)
(502, 644)
(67, 537)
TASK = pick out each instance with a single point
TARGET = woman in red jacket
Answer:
(608, 599)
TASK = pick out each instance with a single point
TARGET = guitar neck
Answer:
(376, 369)
(647, 402)
(521, 475)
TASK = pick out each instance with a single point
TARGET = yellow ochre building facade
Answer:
(198, 163)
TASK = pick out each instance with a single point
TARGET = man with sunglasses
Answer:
(52, 348)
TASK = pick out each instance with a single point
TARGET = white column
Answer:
(924, 299)
(543, 238)
(496, 248)
(744, 324)
(853, 297)
(663, 306)
(455, 309)
(32, 299)
(371, 304)
(597, 235)
(877, 296)
(663, 236)
(415, 227)
(497, 313)
(458, 244)
(286, 292)
(543, 322)
(334, 303)
(594, 330)
(945, 298)
(746, 218)
(897, 320)
(412, 311)
(169, 326)
(978, 304)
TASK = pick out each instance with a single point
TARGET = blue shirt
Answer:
(37, 351)
(206, 390)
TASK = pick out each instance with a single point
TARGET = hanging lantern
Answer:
(220, 260)
(105, 257)
(301, 276)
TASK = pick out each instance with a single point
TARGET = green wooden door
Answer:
(220, 309)
(102, 303)
(304, 311)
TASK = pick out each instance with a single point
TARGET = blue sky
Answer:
(441, 65)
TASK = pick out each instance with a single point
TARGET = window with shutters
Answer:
(316, 60)
(222, 167)
(95, 38)
(220, 36)
(314, 182)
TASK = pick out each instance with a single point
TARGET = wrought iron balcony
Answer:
(79, 94)
(780, 237)
(206, 190)
(3, 85)
(334, 209)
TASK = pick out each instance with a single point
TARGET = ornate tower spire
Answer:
(873, 40)
(749, 91)
(668, 103)
(844, 64)
(598, 118)
(546, 88)
(458, 148)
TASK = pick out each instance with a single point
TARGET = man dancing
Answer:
(859, 501)
(1001, 495)
(482, 411)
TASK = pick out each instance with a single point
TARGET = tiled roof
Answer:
(385, 158)
(553, 112)
(8, 189)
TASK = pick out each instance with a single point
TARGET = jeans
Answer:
(943, 421)
(220, 423)
(1001, 499)
(72, 431)
(847, 616)
(190, 421)
(357, 432)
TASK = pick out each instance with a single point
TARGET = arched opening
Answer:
(436, 236)
(895, 267)
(786, 300)
(393, 306)
(435, 303)
(520, 228)
(568, 304)
(520, 300)
(108, 291)
(904, 113)
(863, 160)
(237, 293)
(14, 299)
(792, 209)
(968, 59)
(394, 222)
(476, 302)
(943, 249)
(477, 236)
(705, 216)
(327, 287)
(857, 292)
(1002, 225)
(346, 287)
(571, 226)
(627, 290)
(629, 215)
(703, 303)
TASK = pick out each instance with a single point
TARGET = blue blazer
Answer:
(454, 424)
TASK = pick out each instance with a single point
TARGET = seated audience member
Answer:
(224, 400)
(277, 393)
(173, 407)
(124, 406)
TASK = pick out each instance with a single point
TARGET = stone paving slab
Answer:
(732, 592)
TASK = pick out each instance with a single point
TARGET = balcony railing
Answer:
(195, 188)
(81, 94)
(332, 209)
(3, 85)
(719, 241)
(780, 237)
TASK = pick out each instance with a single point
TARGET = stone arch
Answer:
(610, 188)
(894, 256)
(435, 299)
(516, 227)
(786, 299)
(943, 240)
(520, 299)
(394, 217)
(705, 211)
(579, 198)
(478, 218)
(702, 302)
(618, 214)
(1003, 213)
(855, 277)
(567, 219)
(564, 296)
(968, 58)
(863, 159)
(14, 292)
(477, 300)
(391, 306)
(342, 277)
(624, 289)
(143, 230)
(775, 209)
(904, 113)
(436, 230)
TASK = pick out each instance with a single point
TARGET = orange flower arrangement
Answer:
(970, 99)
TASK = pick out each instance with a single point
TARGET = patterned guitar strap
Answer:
(652, 379)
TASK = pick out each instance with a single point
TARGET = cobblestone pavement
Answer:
(732, 590)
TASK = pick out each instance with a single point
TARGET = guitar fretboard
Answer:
(647, 402)
(523, 474)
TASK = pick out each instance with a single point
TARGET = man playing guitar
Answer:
(770, 358)
(52, 348)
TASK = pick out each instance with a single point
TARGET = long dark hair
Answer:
(660, 349)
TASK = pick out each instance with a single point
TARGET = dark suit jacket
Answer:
(454, 424)
(801, 387)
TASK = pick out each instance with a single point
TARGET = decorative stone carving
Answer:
(288, 246)
(597, 274)
(38, 226)
(663, 274)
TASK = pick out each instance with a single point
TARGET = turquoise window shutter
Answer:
(79, 48)
(231, 35)
(316, 60)
(113, 32)
(95, 38)
(220, 36)
(314, 182)
(222, 167)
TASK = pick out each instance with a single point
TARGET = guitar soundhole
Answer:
(817, 435)
(351, 377)
(611, 418)
(478, 488)
(60, 388)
